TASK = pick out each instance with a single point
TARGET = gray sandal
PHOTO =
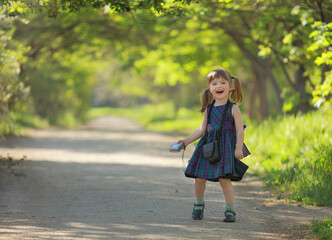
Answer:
(229, 216)
(198, 214)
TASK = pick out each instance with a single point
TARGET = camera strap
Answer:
(183, 163)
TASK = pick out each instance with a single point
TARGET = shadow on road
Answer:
(116, 201)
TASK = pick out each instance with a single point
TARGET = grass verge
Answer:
(321, 230)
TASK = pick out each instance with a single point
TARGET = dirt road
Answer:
(113, 180)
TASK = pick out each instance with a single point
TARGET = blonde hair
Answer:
(236, 92)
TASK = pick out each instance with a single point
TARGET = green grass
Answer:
(321, 229)
(15, 122)
(160, 118)
(293, 154)
(29, 120)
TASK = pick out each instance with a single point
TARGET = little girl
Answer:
(229, 168)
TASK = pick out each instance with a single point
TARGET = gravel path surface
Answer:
(112, 179)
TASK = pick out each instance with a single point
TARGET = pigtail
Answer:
(236, 94)
(206, 99)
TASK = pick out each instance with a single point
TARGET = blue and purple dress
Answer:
(229, 166)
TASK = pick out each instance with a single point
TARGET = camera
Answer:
(176, 147)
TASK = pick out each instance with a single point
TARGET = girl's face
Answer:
(220, 88)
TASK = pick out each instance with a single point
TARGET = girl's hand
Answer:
(184, 143)
(238, 153)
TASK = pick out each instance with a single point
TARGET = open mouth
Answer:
(219, 92)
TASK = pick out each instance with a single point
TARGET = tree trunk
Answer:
(174, 94)
(265, 71)
(261, 90)
(300, 88)
(250, 106)
(268, 70)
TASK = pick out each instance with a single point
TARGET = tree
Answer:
(55, 8)
(12, 90)
(274, 41)
(172, 45)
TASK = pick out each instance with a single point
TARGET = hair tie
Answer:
(232, 77)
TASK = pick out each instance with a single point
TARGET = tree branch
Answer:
(285, 71)
(310, 82)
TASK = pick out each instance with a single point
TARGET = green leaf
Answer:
(288, 39)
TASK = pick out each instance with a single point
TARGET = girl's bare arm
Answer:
(198, 133)
(239, 131)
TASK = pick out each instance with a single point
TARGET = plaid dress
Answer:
(229, 166)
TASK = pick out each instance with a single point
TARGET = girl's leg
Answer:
(199, 192)
(228, 190)
(200, 187)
